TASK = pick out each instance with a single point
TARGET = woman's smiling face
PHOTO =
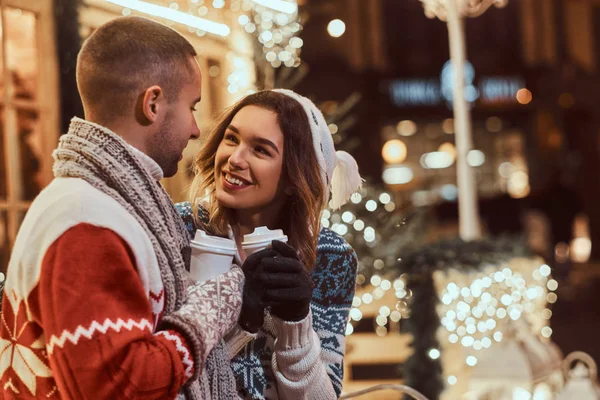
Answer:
(249, 161)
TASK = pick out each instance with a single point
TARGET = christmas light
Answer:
(475, 308)
(524, 96)
(389, 207)
(406, 128)
(175, 16)
(448, 126)
(371, 205)
(379, 285)
(279, 5)
(397, 175)
(356, 198)
(349, 329)
(359, 225)
(475, 158)
(386, 285)
(336, 28)
(395, 316)
(434, 354)
(394, 151)
(274, 22)
(436, 160)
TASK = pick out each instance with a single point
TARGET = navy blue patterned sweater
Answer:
(334, 277)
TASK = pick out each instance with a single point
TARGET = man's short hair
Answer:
(127, 55)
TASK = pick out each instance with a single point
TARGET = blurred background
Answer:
(380, 70)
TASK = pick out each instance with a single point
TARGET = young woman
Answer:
(271, 162)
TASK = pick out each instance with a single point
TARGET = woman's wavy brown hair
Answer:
(300, 215)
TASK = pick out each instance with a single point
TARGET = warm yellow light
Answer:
(174, 15)
(381, 331)
(396, 175)
(546, 331)
(524, 96)
(279, 5)
(448, 126)
(448, 148)
(336, 28)
(581, 249)
(394, 151)
(518, 184)
(406, 128)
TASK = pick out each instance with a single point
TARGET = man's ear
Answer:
(152, 103)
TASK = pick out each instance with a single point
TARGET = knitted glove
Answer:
(211, 310)
(287, 284)
(252, 315)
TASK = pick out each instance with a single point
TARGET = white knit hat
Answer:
(339, 171)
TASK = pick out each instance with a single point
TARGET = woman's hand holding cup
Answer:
(275, 279)
(286, 282)
(252, 315)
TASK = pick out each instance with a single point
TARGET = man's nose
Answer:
(195, 131)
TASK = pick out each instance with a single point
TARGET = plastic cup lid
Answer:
(213, 242)
(262, 235)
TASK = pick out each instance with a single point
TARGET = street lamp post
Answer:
(453, 11)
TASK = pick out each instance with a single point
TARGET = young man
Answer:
(97, 303)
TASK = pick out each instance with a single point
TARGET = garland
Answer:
(421, 371)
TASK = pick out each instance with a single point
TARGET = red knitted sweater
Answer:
(82, 299)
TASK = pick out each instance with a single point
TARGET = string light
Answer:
(476, 307)
(336, 28)
(346, 223)
(394, 151)
(349, 329)
(434, 354)
(239, 79)
(371, 205)
(278, 5)
(174, 15)
(356, 198)
(275, 23)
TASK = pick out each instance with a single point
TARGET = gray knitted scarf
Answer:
(104, 160)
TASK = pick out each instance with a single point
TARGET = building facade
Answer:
(30, 94)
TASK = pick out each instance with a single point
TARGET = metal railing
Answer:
(386, 386)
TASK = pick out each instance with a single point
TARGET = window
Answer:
(216, 86)
(28, 110)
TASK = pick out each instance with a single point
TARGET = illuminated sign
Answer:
(433, 92)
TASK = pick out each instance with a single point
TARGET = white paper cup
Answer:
(211, 256)
(261, 238)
